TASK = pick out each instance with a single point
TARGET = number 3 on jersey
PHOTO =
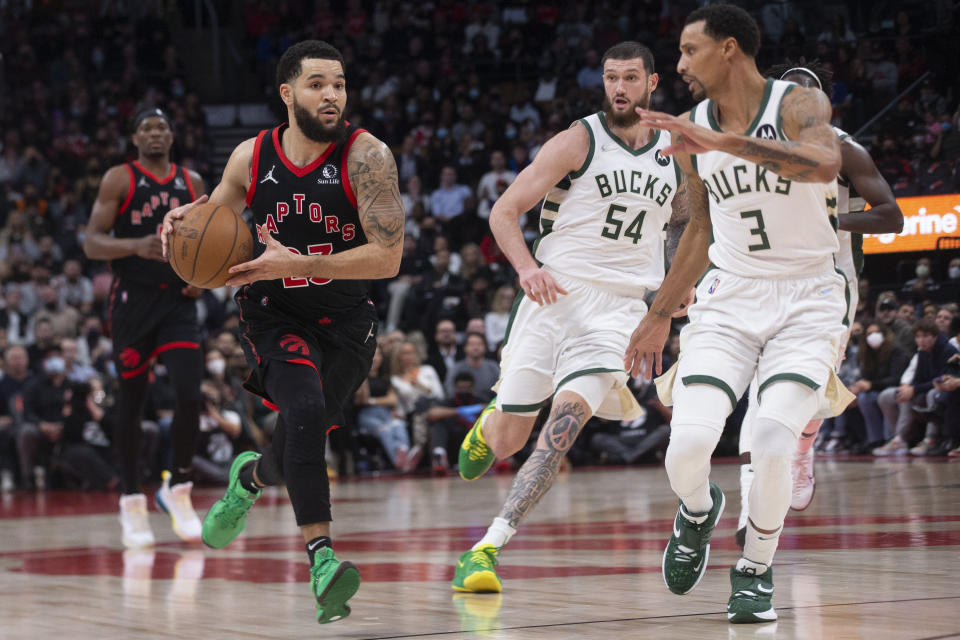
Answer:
(612, 226)
(323, 249)
(758, 230)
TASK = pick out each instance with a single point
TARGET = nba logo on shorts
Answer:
(714, 285)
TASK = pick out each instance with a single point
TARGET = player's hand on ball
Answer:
(685, 305)
(149, 247)
(173, 216)
(644, 354)
(277, 261)
(540, 286)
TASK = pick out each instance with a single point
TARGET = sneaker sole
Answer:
(332, 603)
(706, 556)
(757, 617)
(480, 582)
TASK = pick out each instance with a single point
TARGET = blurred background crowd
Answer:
(465, 93)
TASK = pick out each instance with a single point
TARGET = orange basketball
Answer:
(209, 240)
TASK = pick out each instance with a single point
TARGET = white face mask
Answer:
(216, 367)
(875, 339)
(954, 273)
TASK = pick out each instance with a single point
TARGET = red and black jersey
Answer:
(141, 214)
(311, 210)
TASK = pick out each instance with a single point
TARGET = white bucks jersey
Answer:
(850, 254)
(764, 225)
(606, 223)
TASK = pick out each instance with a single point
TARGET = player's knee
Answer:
(774, 444)
(690, 448)
(789, 403)
(700, 405)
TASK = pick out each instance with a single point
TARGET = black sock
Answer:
(316, 544)
(246, 477)
(179, 476)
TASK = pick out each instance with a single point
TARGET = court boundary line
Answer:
(679, 615)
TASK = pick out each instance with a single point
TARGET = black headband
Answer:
(150, 113)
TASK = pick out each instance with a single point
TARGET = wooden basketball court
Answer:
(877, 555)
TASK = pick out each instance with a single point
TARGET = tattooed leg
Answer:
(537, 474)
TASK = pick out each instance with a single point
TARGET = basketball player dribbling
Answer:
(327, 207)
(760, 162)
(610, 194)
(859, 174)
(152, 314)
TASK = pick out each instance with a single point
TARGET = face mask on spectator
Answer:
(442, 133)
(875, 339)
(474, 93)
(54, 365)
(216, 367)
(954, 273)
(923, 271)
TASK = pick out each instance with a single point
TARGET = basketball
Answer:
(209, 240)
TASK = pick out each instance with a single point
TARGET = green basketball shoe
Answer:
(751, 600)
(228, 515)
(332, 583)
(686, 555)
(475, 571)
(475, 456)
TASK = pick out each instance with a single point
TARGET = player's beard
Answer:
(628, 118)
(314, 129)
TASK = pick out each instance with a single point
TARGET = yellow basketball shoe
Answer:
(475, 456)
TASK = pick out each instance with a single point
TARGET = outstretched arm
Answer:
(810, 154)
(884, 215)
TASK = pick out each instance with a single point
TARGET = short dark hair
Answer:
(824, 76)
(927, 326)
(477, 334)
(629, 50)
(464, 376)
(289, 66)
(729, 21)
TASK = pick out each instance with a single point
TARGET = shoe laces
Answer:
(684, 553)
(484, 557)
(236, 509)
(478, 450)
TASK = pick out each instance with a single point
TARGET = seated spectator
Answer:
(418, 388)
(16, 376)
(451, 419)
(447, 201)
(944, 319)
(485, 372)
(497, 319)
(493, 183)
(914, 400)
(75, 289)
(907, 312)
(63, 319)
(76, 372)
(85, 452)
(220, 438)
(836, 431)
(882, 363)
(379, 415)
(887, 317)
(443, 352)
(13, 319)
(923, 285)
(948, 388)
(438, 294)
(43, 407)
(627, 441)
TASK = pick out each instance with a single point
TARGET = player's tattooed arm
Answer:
(373, 176)
(678, 221)
(811, 152)
(538, 473)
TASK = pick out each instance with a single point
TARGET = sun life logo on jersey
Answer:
(767, 132)
(329, 174)
(661, 159)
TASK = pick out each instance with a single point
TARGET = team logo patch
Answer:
(661, 159)
(129, 358)
(714, 285)
(329, 174)
(269, 177)
(294, 344)
(264, 301)
(123, 297)
(767, 132)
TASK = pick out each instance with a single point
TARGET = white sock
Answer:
(498, 534)
(746, 481)
(760, 547)
(749, 566)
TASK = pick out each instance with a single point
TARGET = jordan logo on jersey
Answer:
(269, 177)
(143, 182)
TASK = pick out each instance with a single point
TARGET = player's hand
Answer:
(277, 261)
(149, 247)
(173, 216)
(540, 286)
(689, 137)
(644, 354)
(685, 305)
(191, 291)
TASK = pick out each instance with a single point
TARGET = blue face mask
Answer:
(511, 134)
(442, 133)
(54, 365)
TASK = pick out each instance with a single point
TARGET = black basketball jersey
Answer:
(311, 210)
(141, 214)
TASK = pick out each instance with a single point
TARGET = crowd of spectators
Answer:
(465, 94)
